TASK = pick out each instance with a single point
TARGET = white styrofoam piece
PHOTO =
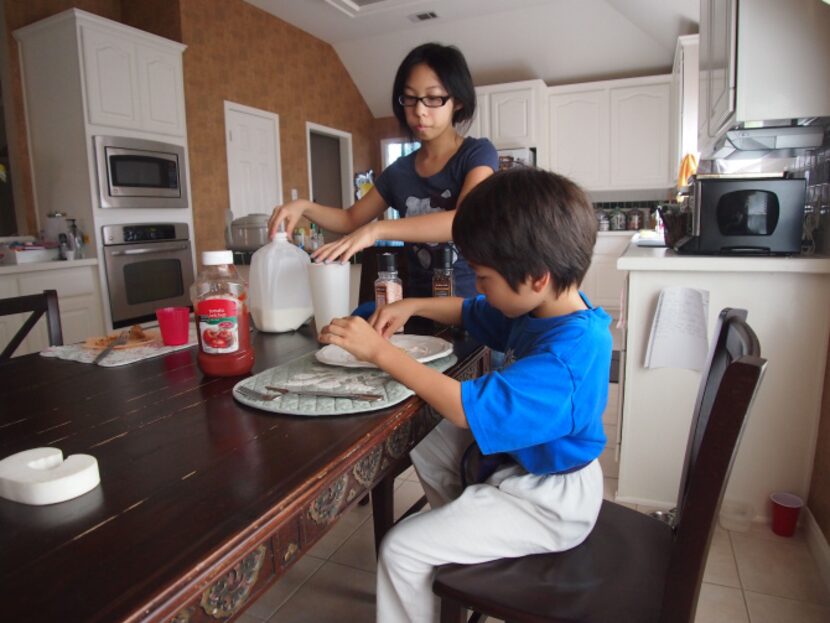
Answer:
(42, 476)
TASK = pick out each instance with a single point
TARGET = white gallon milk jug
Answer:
(280, 299)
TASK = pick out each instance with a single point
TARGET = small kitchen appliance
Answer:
(137, 173)
(739, 215)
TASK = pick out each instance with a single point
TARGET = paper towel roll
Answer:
(42, 476)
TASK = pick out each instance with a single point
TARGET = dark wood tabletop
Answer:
(203, 501)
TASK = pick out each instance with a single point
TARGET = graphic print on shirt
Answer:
(416, 206)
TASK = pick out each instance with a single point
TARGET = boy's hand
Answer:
(392, 316)
(355, 335)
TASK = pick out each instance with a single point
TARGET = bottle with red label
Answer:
(220, 306)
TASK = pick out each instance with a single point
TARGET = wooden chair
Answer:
(38, 305)
(632, 567)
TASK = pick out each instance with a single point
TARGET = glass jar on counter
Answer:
(603, 223)
(632, 221)
(617, 220)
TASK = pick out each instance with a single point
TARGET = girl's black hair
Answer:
(449, 65)
(526, 222)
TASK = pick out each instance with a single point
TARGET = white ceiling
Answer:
(559, 41)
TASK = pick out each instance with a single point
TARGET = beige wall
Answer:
(239, 53)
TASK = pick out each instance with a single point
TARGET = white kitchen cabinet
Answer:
(603, 283)
(685, 93)
(131, 80)
(79, 300)
(578, 126)
(761, 60)
(612, 135)
(510, 115)
(777, 447)
(640, 135)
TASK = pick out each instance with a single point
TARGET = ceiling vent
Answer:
(423, 17)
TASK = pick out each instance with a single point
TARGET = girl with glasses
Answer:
(433, 97)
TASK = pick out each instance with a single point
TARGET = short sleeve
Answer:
(481, 153)
(485, 323)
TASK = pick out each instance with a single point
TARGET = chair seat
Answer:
(617, 574)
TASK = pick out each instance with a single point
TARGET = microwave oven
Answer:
(745, 216)
(137, 173)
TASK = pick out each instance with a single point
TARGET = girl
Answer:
(432, 94)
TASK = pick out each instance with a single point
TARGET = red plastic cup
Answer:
(785, 509)
(174, 323)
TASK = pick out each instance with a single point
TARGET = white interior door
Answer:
(252, 137)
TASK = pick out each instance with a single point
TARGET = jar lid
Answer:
(387, 263)
(442, 258)
(215, 258)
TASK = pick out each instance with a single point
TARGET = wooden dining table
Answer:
(203, 502)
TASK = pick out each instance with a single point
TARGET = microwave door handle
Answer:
(149, 251)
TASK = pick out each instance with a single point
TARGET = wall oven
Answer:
(136, 173)
(147, 266)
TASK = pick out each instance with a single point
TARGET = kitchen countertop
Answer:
(55, 265)
(661, 258)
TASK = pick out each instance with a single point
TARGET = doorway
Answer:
(330, 167)
(252, 140)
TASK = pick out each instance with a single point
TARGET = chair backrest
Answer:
(728, 386)
(38, 305)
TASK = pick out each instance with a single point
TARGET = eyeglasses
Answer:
(430, 101)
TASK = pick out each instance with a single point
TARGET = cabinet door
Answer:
(479, 124)
(111, 81)
(512, 118)
(640, 136)
(578, 136)
(161, 90)
(721, 64)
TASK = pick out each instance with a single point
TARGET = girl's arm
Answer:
(435, 227)
(368, 207)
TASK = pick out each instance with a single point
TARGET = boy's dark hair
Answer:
(449, 65)
(526, 222)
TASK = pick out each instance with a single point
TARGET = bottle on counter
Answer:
(633, 220)
(220, 304)
(603, 224)
(388, 286)
(442, 279)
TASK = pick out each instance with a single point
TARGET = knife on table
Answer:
(121, 339)
(327, 393)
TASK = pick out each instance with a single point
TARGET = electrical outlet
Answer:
(294, 194)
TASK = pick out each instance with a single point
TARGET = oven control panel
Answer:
(144, 232)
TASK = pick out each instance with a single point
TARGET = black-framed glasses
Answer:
(430, 101)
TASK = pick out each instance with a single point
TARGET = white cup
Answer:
(329, 292)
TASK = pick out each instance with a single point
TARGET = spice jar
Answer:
(633, 220)
(442, 283)
(603, 224)
(617, 220)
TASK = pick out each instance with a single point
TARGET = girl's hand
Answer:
(392, 316)
(342, 250)
(288, 213)
(355, 335)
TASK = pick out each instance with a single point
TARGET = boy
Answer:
(528, 234)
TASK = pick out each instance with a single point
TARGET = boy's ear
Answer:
(540, 283)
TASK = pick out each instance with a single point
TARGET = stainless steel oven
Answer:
(148, 266)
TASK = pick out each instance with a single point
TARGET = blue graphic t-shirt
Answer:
(412, 195)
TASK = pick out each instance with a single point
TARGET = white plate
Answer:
(421, 347)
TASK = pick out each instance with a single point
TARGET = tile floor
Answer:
(750, 577)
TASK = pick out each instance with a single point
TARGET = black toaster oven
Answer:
(745, 215)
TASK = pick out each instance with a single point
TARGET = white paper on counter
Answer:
(678, 330)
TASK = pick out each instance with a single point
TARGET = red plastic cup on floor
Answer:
(174, 323)
(785, 509)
